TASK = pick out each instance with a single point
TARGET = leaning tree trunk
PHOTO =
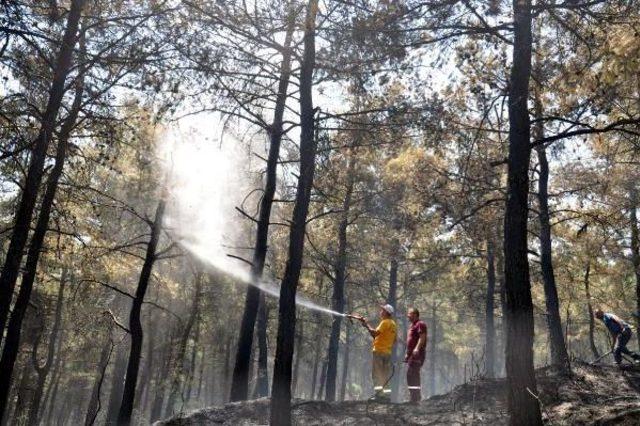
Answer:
(635, 252)
(522, 405)
(338, 285)
(559, 356)
(592, 325)
(135, 326)
(240, 381)
(489, 324)
(43, 370)
(35, 173)
(12, 339)
(281, 389)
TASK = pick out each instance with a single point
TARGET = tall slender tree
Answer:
(281, 389)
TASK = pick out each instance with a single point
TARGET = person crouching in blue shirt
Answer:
(621, 333)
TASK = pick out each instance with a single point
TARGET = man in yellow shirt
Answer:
(384, 337)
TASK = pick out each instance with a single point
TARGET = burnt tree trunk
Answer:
(240, 382)
(523, 407)
(559, 356)
(35, 173)
(281, 389)
(135, 326)
(489, 323)
(12, 338)
(337, 300)
(43, 370)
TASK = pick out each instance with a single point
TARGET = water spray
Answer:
(205, 184)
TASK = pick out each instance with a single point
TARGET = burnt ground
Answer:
(601, 395)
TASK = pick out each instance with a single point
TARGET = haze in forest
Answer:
(319, 206)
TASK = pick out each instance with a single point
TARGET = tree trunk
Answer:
(12, 339)
(339, 284)
(35, 173)
(94, 403)
(43, 371)
(281, 390)
(26, 206)
(559, 356)
(240, 383)
(135, 326)
(523, 407)
(490, 330)
(635, 252)
(178, 366)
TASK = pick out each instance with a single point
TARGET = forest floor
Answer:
(600, 395)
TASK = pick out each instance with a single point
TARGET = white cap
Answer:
(388, 308)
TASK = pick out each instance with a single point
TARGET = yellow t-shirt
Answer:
(383, 342)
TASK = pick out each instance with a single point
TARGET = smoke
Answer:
(207, 178)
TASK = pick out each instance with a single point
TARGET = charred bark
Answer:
(240, 382)
(12, 338)
(135, 326)
(281, 388)
(35, 173)
(522, 405)
(339, 285)
(559, 356)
